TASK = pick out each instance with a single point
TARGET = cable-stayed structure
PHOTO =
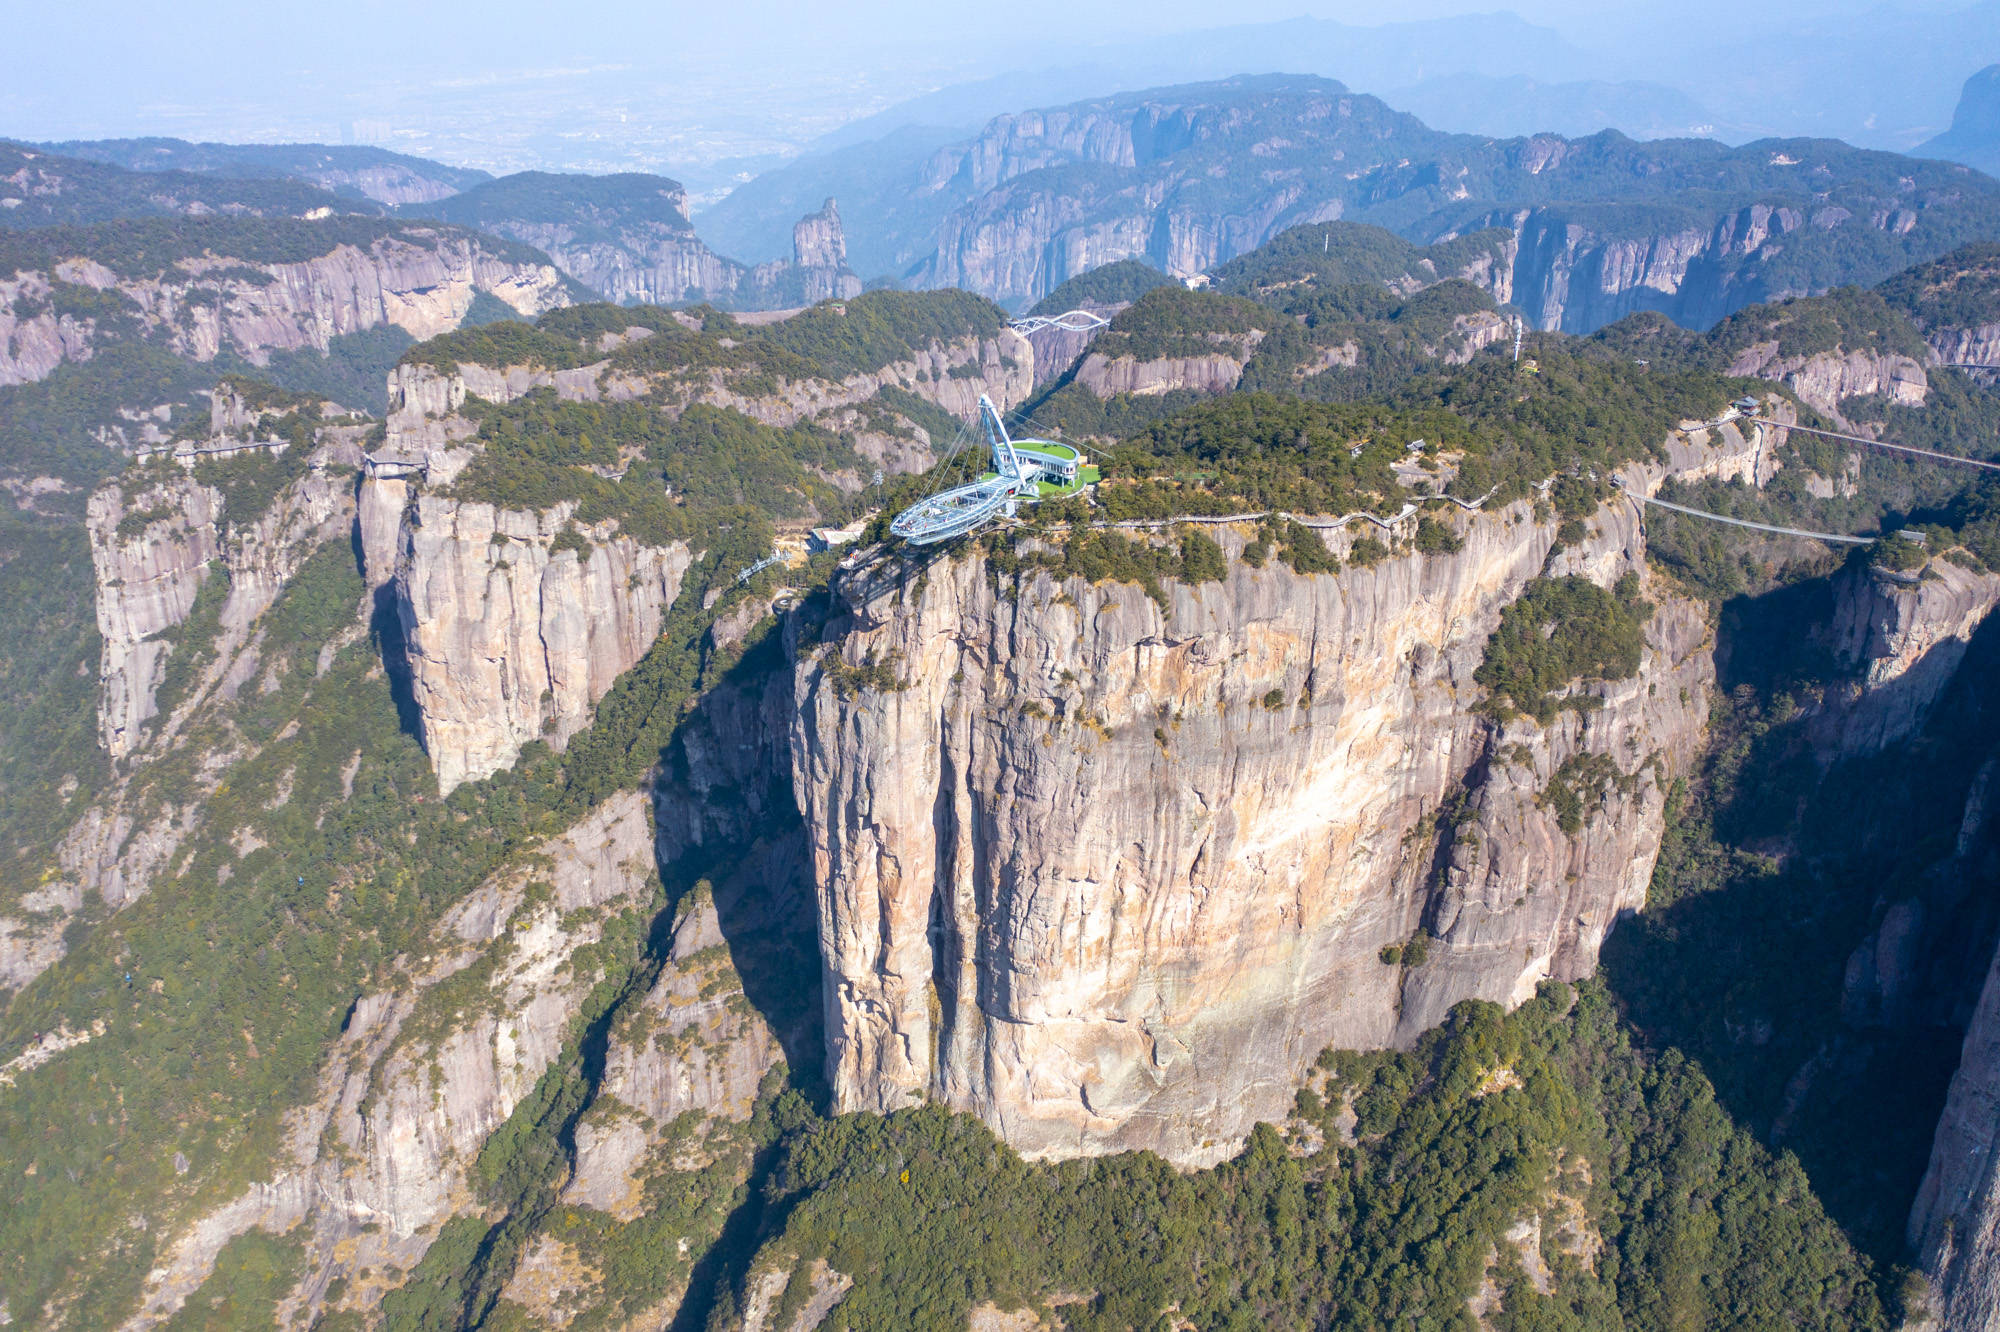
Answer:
(1022, 471)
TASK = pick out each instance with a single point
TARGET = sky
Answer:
(614, 84)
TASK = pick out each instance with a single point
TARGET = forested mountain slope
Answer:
(1191, 177)
(455, 877)
(346, 170)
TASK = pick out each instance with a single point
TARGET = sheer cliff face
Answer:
(156, 537)
(1827, 379)
(1110, 876)
(647, 263)
(651, 256)
(1192, 176)
(1955, 1223)
(151, 551)
(509, 639)
(1903, 643)
(420, 280)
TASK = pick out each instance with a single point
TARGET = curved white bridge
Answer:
(1069, 321)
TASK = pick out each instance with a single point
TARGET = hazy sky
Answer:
(699, 81)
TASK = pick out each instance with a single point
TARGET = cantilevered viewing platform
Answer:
(1023, 471)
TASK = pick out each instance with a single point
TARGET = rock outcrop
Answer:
(419, 279)
(158, 533)
(1109, 874)
(161, 538)
(819, 254)
(1212, 372)
(428, 1067)
(152, 550)
(628, 237)
(516, 622)
(1902, 639)
(430, 1063)
(1826, 379)
(508, 638)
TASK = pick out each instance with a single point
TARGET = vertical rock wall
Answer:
(1110, 874)
(509, 639)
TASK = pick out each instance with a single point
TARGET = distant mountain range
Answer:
(1974, 136)
(626, 237)
(1182, 178)
(351, 172)
(1188, 177)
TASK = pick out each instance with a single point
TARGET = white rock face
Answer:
(1215, 372)
(1978, 345)
(146, 583)
(420, 280)
(509, 639)
(1110, 875)
(1904, 642)
(1825, 380)
(147, 579)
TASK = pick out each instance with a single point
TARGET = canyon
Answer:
(1105, 866)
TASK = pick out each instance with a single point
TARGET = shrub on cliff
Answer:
(1117, 283)
(1559, 632)
(541, 451)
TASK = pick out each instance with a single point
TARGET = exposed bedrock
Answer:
(508, 638)
(1110, 874)
(422, 282)
(1902, 642)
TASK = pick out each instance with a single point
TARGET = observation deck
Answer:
(1023, 471)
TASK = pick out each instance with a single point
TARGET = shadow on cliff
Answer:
(385, 626)
(1814, 935)
(722, 799)
(731, 820)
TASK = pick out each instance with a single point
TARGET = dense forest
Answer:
(1674, 1179)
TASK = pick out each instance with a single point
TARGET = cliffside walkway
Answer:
(1322, 524)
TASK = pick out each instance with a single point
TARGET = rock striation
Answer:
(514, 623)
(419, 279)
(160, 540)
(430, 1064)
(152, 550)
(1902, 640)
(628, 237)
(1210, 372)
(158, 533)
(1827, 379)
(1110, 874)
(1191, 176)
(509, 639)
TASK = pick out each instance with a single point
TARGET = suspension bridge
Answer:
(1837, 538)
(1932, 454)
